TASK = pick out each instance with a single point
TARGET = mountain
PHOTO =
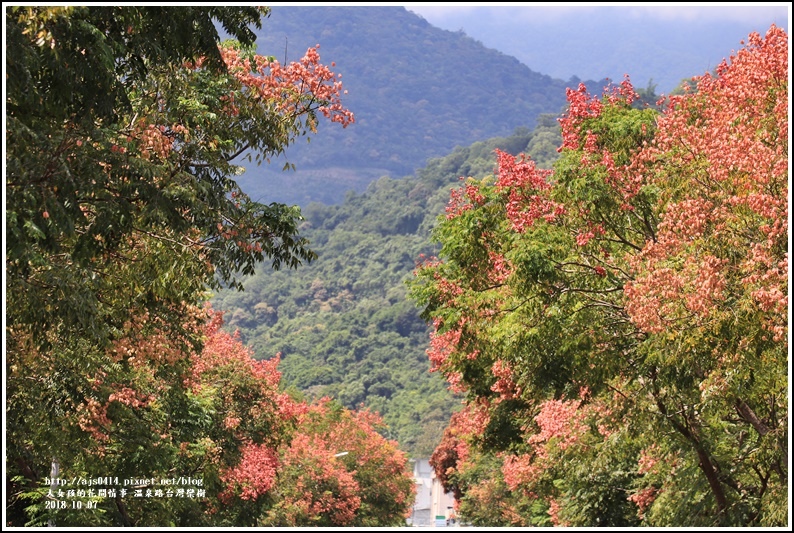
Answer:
(658, 44)
(417, 92)
(343, 324)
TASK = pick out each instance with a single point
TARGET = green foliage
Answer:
(90, 184)
(615, 308)
(343, 324)
(493, 499)
(79, 63)
(122, 210)
(594, 478)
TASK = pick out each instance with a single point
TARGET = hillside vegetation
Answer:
(417, 92)
(343, 324)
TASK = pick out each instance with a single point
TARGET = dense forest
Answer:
(343, 324)
(583, 320)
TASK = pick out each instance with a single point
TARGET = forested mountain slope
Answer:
(417, 92)
(343, 324)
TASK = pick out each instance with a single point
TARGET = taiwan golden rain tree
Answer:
(619, 325)
(124, 128)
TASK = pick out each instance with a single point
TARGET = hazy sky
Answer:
(440, 14)
(686, 39)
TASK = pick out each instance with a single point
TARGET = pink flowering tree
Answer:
(636, 295)
(135, 213)
(338, 471)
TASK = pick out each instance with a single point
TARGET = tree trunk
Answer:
(749, 416)
(55, 470)
(125, 518)
(705, 462)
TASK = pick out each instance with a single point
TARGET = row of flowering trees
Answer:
(263, 457)
(619, 325)
(124, 128)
